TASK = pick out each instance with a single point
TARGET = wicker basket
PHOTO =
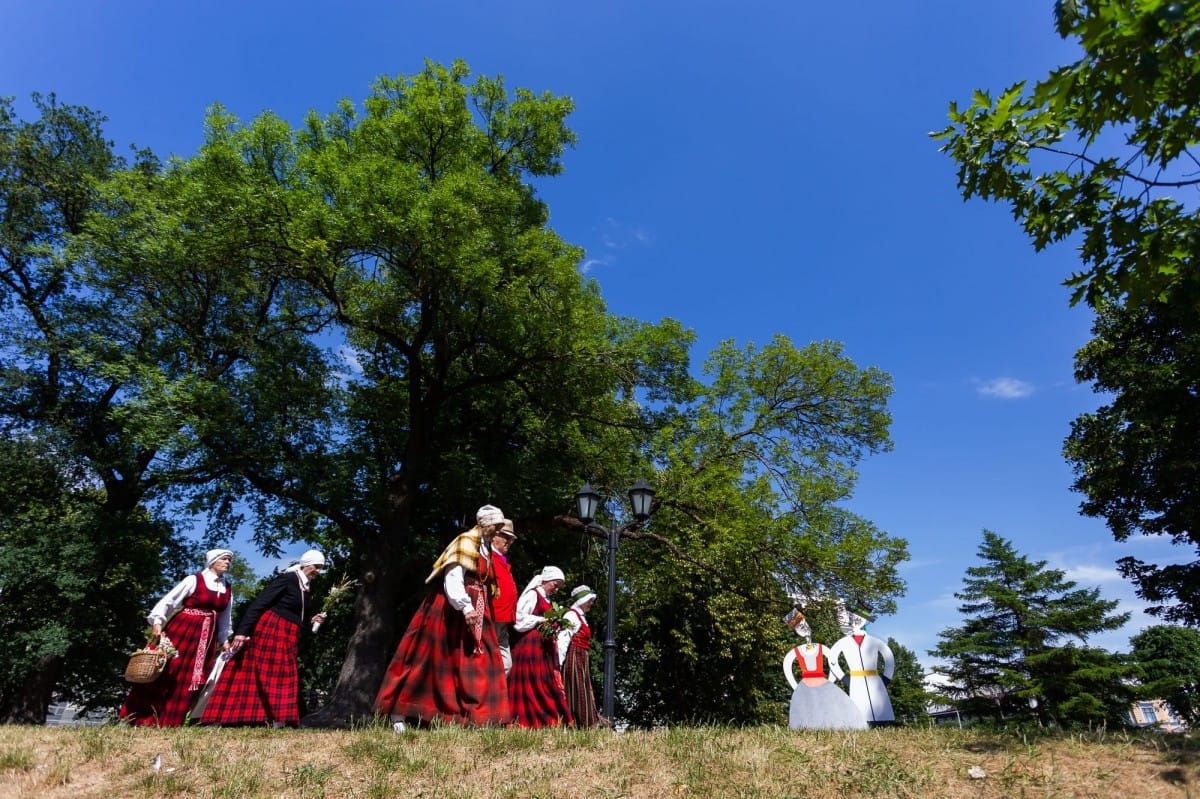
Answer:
(145, 666)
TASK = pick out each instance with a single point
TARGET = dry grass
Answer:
(452, 763)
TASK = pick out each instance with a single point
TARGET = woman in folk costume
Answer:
(863, 653)
(535, 686)
(575, 656)
(261, 683)
(448, 664)
(817, 703)
(198, 630)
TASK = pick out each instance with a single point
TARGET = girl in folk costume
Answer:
(575, 656)
(448, 663)
(817, 703)
(863, 653)
(198, 631)
(261, 683)
(535, 686)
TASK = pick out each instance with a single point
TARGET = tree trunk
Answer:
(32, 703)
(367, 655)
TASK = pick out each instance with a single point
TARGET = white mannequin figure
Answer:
(862, 653)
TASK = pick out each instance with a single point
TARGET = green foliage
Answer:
(71, 582)
(907, 691)
(1099, 150)
(1170, 661)
(753, 472)
(1102, 153)
(1133, 457)
(81, 548)
(1006, 661)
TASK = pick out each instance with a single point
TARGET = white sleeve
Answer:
(169, 603)
(889, 659)
(571, 626)
(526, 620)
(455, 590)
(832, 656)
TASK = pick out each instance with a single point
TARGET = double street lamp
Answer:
(587, 504)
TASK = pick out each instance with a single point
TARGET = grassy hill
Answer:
(452, 763)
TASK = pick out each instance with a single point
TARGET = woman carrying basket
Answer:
(195, 615)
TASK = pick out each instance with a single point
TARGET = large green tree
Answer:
(752, 474)
(1101, 153)
(1008, 661)
(61, 401)
(1169, 657)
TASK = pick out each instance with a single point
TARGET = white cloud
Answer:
(1093, 575)
(1005, 388)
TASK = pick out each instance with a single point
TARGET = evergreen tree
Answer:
(910, 699)
(1006, 660)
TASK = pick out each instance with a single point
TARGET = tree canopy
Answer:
(1100, 152)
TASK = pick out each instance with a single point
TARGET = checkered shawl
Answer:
(463, 551)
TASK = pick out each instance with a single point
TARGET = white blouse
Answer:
(170, 603)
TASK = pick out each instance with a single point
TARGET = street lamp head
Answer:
(640, 496)
(587, 502)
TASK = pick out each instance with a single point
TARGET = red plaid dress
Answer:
(261, 684)
(166, 701)
(577, 676)
(444, 669)
(535, 686)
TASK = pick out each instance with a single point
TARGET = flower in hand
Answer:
(553, 622)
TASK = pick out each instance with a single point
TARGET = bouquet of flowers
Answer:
(554, 621)
(164, 647)
(337, 594)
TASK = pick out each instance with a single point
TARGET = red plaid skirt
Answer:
(440, 670)
(577, 681)
(261, 684)
(535, 686)
(166, 701)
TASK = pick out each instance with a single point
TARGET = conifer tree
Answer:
(1010, 659)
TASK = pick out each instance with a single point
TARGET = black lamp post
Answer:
(587, 504)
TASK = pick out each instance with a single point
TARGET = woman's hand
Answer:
(471, 616)
(156, 631)
(238, 642)
(319, 618)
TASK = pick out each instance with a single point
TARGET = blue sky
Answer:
(747, 168)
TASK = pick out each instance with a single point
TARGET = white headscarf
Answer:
(310, 558)
(489, 514)
(213, 555)
(546, 575)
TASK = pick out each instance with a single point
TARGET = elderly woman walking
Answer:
(194, 615)
(535, 686)
(448, 665)
(261, 683)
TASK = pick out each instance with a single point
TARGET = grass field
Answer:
(453, 763)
